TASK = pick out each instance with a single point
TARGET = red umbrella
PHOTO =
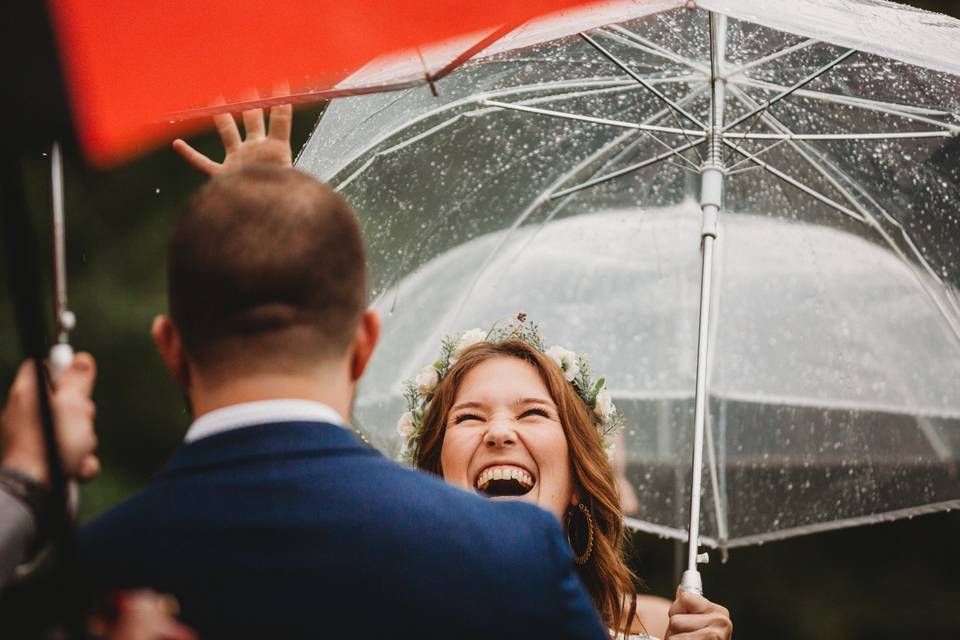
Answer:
(133, 68)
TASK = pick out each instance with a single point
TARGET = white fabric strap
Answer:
(248, 414)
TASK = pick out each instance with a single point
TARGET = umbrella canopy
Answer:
(865, 427)
(559, 173)
(133, 69)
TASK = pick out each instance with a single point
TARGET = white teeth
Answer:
(506, 472)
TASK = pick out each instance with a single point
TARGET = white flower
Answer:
(566, 360)
(427, 380)
(406, 427)
(609, 447)
(467, 340)
(604, 408)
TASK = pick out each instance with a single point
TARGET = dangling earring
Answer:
(580, 557)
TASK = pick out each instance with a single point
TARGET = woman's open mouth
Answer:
(504, 481)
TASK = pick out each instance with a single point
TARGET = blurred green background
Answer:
(882, 581)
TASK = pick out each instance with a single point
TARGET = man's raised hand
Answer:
(260, 147)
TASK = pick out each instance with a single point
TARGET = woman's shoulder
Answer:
(652, 619)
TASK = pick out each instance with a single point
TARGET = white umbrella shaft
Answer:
(711, 200)
(61, 354)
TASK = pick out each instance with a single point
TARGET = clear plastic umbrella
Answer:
(744, 213)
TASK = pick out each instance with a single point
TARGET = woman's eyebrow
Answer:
(541, 401)
(466, 405)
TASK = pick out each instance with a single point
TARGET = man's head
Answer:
(266, 276)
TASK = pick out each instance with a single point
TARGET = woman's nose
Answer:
(500, 434)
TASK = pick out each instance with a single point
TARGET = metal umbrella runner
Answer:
(636, 110)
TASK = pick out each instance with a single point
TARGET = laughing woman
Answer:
(501, 415)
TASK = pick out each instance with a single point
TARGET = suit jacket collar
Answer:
(269, 440)
(247, 414)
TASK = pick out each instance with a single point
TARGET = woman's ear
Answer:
(575, 496)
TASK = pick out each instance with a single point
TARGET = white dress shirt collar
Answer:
(248, 414)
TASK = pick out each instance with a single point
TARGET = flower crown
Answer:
(418, 391)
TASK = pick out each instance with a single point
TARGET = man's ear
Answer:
(364, 341)
(166, 338)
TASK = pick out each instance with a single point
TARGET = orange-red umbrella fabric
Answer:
(130, 67)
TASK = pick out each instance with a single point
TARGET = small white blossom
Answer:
(406, 427)
(609, 447)
(604, 407)
(566, 360)
(468, 339)
(427, 380)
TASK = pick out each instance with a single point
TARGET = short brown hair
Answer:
(266, 267)
(606, 576)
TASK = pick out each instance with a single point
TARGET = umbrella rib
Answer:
(820, 164)
(674, 107)
(549, 194)
(810, 191)
(733, 168)
(621, 172)
(910, 112)
(770, 57)
(674, 533)
(602, 88)
(764, 106)
(683, 167)
(471, 51)
(436, 224)
(694, 167)
(653, 118)
(472, 100)
(783, 534)
(639, 42)
(890, 135)
(744, 170)
(573, 116)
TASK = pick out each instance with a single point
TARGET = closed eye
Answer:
(535, 412)
(463, 417)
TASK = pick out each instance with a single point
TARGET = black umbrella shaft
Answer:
(25, 286)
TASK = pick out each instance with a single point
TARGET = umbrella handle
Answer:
(61, 355)
(59, 360)
(690, 582)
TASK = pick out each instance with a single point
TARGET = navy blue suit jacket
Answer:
(297, 530)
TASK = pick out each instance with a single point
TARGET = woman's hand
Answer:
(693, 617)
(73, 412)
(142, 615)
(259, 147)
